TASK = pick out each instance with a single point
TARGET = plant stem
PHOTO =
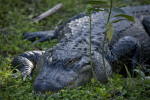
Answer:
(91, 46)
(90, 43)
(105, 40)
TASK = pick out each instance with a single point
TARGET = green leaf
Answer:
(95, 9)
(119, 4)
(88, 9)
(93, 80)
(109, 30)
(128, 73)
(95, 2)
(118, 20)
(130, 18)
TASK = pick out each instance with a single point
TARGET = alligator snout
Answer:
(51, 79)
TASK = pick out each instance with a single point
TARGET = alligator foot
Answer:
(26, 62)
(42, 36)
(125, 51)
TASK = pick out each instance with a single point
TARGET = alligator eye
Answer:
(70, 61)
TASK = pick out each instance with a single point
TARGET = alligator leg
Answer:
(124, 51)
(42, 35)
(52, 34)
(146, 24)
(26, 62)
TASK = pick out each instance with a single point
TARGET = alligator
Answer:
(68, 63)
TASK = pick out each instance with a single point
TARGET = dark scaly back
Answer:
(75, 33)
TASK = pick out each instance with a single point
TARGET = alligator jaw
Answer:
(58, 81)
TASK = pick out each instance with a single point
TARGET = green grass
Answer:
(15, 16)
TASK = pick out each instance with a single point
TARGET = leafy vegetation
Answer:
(15, 16)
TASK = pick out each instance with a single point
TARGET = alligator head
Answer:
(60, 68)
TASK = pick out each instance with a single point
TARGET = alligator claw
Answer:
(42, 36)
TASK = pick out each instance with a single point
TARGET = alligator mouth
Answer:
(51, 80)
(56, 83)
(71, 84)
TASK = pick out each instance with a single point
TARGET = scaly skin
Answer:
(68, 63)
